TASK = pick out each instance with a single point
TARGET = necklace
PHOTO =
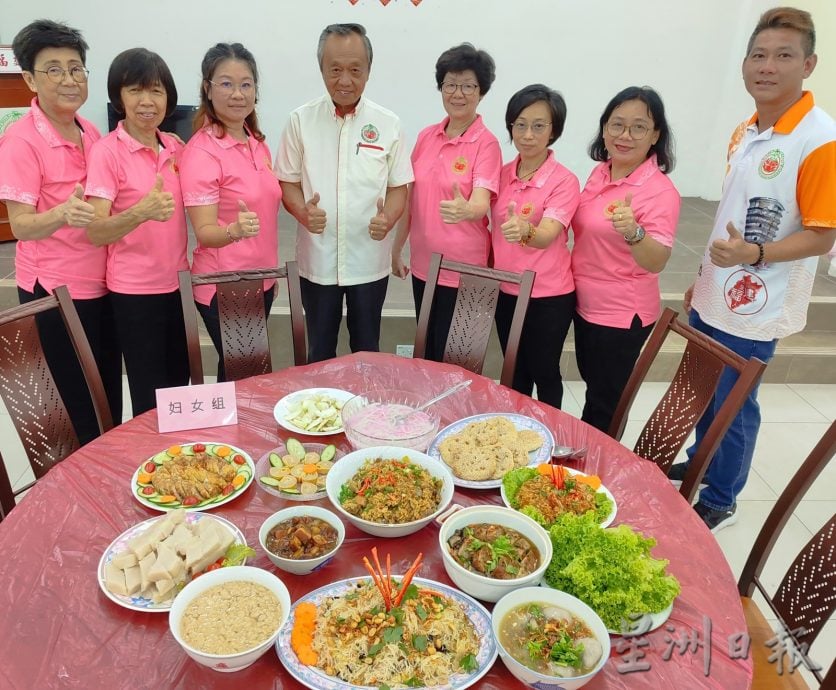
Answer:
(453, 132)
(522, 175)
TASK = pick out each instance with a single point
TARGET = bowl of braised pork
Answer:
(489, 551)
(301, 538)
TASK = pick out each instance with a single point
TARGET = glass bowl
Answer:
(370, 419)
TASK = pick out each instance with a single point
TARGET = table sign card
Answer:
(8, 61)
(196, 407)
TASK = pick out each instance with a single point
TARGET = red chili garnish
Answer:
(238, 460)
(150, 467)
(190, 501)
(199, 448)
(228, 489)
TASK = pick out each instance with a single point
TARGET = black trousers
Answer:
(213, 325)
(96, 316)
(324, 311)
(441, 316)
(152, 338)
(606, 357)
(544, 332)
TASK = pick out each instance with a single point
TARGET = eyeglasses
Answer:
(450, 88)
(637, 131)
(56, 74)
(537, 128)
(247, 88)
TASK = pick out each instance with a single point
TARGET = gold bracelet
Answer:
(229, 234)
(532, 231)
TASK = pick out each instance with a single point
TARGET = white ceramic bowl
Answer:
(300, 566)
(228, 662)
(406, 435)
(544, 595)
(481, 586)
(347, 466)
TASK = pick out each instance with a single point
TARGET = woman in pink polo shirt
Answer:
(43, 165)
(229, 189)
(537, 199)
(456, 165)
(134, 186)
(624, 230)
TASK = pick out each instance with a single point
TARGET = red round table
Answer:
(60, 631)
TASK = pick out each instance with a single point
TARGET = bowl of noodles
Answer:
(388, 491)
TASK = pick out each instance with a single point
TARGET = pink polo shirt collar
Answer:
(44, 126)
(470, 135)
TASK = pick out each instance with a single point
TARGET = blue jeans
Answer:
(729, 469)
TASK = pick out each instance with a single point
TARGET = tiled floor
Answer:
(794, 418)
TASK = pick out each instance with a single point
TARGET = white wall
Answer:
(689, 51)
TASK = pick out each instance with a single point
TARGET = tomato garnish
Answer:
(150, 467)
(213, 566)
(199, 448)
(191, 501)
(148, 491)
(239, 460)
(228, 489)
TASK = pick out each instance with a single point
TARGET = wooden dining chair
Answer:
(686, 399)
(246, 348)
(473, 315)
(28, 387)
(806, 597)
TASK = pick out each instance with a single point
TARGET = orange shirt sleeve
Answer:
(816, 187)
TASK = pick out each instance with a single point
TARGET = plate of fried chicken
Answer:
(194, 476)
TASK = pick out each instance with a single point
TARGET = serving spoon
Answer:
(423, 406)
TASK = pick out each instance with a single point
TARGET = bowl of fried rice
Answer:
(389, 491)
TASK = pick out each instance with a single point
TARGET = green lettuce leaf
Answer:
(513, 480)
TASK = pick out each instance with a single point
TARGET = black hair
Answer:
(45, 33)
(536, 93)
(139, 67)
(466, 57)
(663, 148)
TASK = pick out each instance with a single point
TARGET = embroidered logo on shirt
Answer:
(745, 293)
(771, 164)
(172, 165)
(460, 165)
(611, 207)
(526, 210)
(369, 134)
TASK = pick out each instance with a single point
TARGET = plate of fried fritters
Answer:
(479, 450)
(194, 476)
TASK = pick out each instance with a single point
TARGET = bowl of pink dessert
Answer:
(385, 417)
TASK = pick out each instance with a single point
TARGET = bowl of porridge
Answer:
(227, 618)
(385, 417)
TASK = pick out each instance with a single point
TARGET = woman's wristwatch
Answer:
(637, 237)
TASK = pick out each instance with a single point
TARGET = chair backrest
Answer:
(7, 496)
(246, 349)
(28, 387)
(806, 596)
(686, 399)
(473, 315)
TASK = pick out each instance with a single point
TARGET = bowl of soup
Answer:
(385, 417)
(489, 551)
(549, 639)
(301, 539)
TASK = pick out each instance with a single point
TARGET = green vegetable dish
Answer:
(611, 570)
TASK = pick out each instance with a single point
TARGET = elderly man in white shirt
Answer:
(343, 167)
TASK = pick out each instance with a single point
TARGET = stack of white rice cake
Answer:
(166, 555)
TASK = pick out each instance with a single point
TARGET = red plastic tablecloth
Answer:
(60, 631)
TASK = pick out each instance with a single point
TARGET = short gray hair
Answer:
(343, 30)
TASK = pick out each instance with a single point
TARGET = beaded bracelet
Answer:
(229, 234)
(532, 231)
(759, 262)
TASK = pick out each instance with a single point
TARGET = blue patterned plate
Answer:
(521, 422)
(120, 544)
(314, 678)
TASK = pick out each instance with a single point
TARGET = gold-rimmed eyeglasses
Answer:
(537, 128)
(247, 88)
(637, 131)
(56, 74)
(450, 88)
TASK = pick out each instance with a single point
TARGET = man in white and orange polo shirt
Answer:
(776, 216)
(343, 168)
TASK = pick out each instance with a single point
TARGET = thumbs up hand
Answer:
(623, 220)
(76, 211)
(455, 210)
(514, 228)
(247, 221)
(379, 224)
(733, 251)
(316, 216)
(157, 204)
